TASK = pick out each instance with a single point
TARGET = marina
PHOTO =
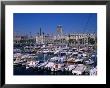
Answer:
(59, 61)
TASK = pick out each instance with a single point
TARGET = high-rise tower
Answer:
(40, 32)
(59, 31)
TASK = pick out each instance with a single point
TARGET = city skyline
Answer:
(24, 23)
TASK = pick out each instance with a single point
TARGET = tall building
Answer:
(59, 31)
(40, 32)
(40, 37)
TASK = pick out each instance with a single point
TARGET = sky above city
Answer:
(24, 23)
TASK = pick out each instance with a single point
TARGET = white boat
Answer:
(25, 56)
(43, 64)
(66, 68)
(49, 64)
(27, 67)
(80, 68)
(93, 56)
(54, 58)
(57, 51)
(78, 60)
(84, 55)
(75, 53)
(61, 59)
(52, 69)
(56, 67)
(53, 66)
(32, 63)
(69, 52)
(71, 67)
(89, 61)
(46, 51)
(93, 71)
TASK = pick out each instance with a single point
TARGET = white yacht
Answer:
(80, 68)
(46, 51)
(89, 61)
(31, 64)
(93, 71)
(70, 67)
